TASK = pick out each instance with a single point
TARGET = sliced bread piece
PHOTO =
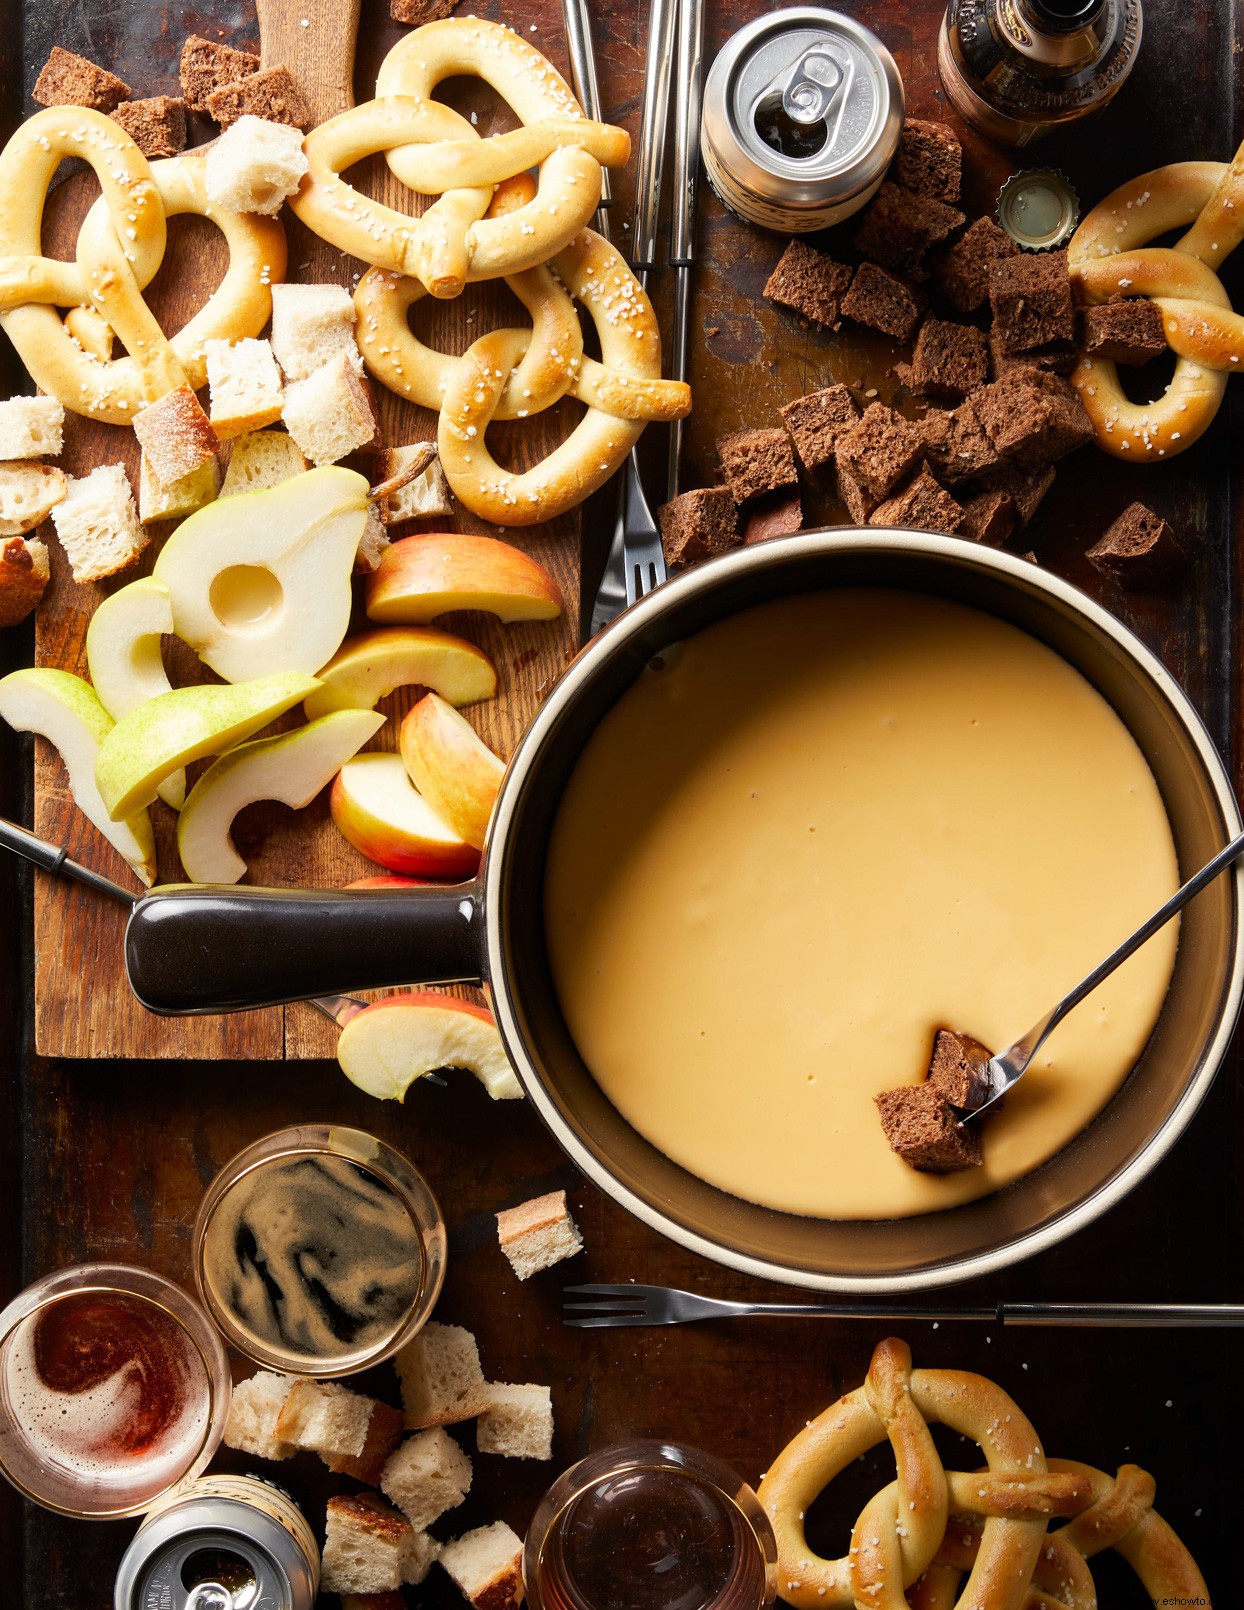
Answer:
(28, 494)
(253, 1413)
(518, 1422)
(442, 1381)
(310, 325)
(159, 502)
(255, 166)
(325, 1418)
(260, 459)
(365, 1546)
(245, 386)
(98, 525)
(31, 427)
(329, 414)
(537, 1234)
(428, 1475)
(176, 435)
(487, 1566)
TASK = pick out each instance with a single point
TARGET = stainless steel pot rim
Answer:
(775, 553)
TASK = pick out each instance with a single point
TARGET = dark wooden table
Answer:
(108, 1159)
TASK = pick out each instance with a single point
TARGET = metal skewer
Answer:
(652, 130)
(587, 90)
(690, 65)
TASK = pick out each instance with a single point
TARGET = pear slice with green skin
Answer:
(183, 725)
(290, 766)
(260, 582)
(371, 664)
(124, 660)
(67, 712)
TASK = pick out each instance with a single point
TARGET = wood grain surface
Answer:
(109, 1159)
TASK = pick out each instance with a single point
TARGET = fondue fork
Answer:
(1009, 1066)
(627, 1305)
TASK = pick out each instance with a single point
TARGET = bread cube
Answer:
(372, 543)
(329, 413)
(537, 1234)
(98, 524)
(442, 1381)
(260, 459)
(426, 495)
(365, 1546)
(487, 1567)
(384, 1432)
(518, 1422)
(428, 1475)
(24, 574)
(176, 435)
(325, 1418)
(310, 325)
(159, 502)
(255, 166)
(31, 427)
(253, 1413)
(245, 386)
(28, 494)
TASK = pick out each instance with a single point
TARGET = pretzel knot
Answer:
(120, 247)
(1109, 256)
(916, 1539)
(436, 152)
(514, 374)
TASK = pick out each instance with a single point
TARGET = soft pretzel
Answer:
(119, 250)
(917, 1538)
(436, 152)
(1109, 256)
(513, 373)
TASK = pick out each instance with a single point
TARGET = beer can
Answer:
(221, 1543)
(802, 114)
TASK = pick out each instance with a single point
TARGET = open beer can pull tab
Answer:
(810, 87)
(796, 112)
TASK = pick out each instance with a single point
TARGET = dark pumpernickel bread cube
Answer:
(1056, 357)
(810, 283)
(273, 94)
(1032, 417)
(883, 301)
(817, 423)
(1024, 486)
(949, 360)
(778, 515)
(958, 1069)
(897, 228)
(1031, 300)
(923, 1129)
(757, 461)
(1139, 550)
(69, 80)
(697, 525)
(922, 505)
(859, 501)
(1123, 332)
(157, 126)
(206, 67)
(989, 517)
(956, 445)
(929, 160)
(880, 451)
(961, 273)
(414, 13)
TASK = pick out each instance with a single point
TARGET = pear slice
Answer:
(183, 725)
(371, 664)
(291, 767)
(260, 583)
(124, 660)
(66, 711)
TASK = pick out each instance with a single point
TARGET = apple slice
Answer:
(261, 582)
(393, 1042)
(372, 664)
(291, 767)
(66, 711)
(388, 880)
(451, 766)
(183, 725)
(428, 575)
(376, 807)
(124, 660)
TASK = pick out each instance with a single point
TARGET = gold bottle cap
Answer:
(1038, 209)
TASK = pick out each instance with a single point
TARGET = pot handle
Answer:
(192, 949)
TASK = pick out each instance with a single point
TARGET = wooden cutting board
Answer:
(83, 1005)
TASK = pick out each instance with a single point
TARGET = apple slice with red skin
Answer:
(388, 1045)
(371, 664)
(377, 808)
(389, 880)
(451, 766)
(424, 576)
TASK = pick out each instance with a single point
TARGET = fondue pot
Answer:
(203, 950)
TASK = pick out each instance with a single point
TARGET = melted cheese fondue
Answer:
(817, 832)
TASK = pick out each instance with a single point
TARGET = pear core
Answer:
(246, 596)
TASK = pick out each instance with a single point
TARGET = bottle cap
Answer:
(1038, 209)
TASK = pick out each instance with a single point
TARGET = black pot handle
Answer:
(192, 949)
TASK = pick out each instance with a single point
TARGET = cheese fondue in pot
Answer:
(815, 833)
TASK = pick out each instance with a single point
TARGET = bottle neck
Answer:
(1058, 34)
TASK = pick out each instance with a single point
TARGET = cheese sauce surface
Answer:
(817, 832)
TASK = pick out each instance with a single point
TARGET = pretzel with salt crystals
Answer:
(1109, 256)
(931, 1525)
(436, 152)
(513, 373)
(120, 247)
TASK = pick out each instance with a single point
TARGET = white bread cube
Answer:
(365, 1546)
(487, 1566)
(310, 325)
(244, 380)
(518, 1422)
(91, 330)
(537, 1234)
(31, 427)
(325, 1418)
(28, 494)
(98, 524)
(423, 497)
(418, 1557)
(24, 572)
(253, 1413)
(260, 459)
(427, 1475)
(385, 1430)
(372, 543)
(255, 166)
(159, 502)
(329, 413)
(441, 1378)
(176, 435)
